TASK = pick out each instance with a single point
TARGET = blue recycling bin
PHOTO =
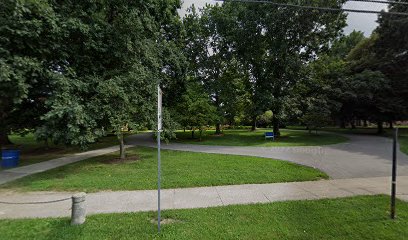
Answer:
(10, 158)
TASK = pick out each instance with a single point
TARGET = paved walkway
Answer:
(137, 201)
(19, 172)
(361, 157)
(359, 167)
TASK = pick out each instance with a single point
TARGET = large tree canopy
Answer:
(273, 43)
(92, 66)
(29, 39)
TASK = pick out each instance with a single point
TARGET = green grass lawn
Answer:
(33, 151)
(179, 169)
(256, 138)
(348, 218)
(403, 141)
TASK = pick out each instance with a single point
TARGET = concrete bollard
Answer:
(78, 214)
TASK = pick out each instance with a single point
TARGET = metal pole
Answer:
(159, 178)
(159, 127)
(394, 173)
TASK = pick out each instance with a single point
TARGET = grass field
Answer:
(256, 138)
(348, 218)
(179, 169)
(35, 152)
(403, 141)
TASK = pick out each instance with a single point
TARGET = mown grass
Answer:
(179, 169)
(348, 218)
(256, 138)
(403, 141)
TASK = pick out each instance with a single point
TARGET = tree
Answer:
(331, 83)
(99, 63)
(29, 37)
(317, 114)
(265, 119)
(211, 63)
(391, 55)
(195, 110)
(273, 43)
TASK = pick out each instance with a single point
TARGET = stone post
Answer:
(78, 209)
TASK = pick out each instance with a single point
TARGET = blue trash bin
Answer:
(10, 158)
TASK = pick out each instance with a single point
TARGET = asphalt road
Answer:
(363, 156)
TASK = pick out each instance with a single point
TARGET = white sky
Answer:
(361, 22)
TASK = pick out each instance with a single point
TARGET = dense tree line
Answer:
(277, 59)
(73, 71)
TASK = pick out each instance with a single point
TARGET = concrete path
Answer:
(137, 201)
(19, 172)
(361, 157)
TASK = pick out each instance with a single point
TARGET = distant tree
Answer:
(211, 62)
(335, 81)
(317, 115)
(265, 119)
(342, 46)
(273, 43)
(391, 54)
(195, 109)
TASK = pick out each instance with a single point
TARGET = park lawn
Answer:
(403, 141)
(256, 138)
(33, 151)
(343, 218)
(179, 170)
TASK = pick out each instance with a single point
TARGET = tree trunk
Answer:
(391, 125)
(342, 124)
(253, 124)
(46, 143)
(4, 139)
(365, 124)
(380, 129)
(192, 133)
(353, 124)
(122, 146)
(201, 134)
(218, 129)
(275, 122)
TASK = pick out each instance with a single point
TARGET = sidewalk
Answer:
(19, 172)
(137, 201)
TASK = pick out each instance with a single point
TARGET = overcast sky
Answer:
(361, 22)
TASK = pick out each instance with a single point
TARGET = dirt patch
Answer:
(121, 161)
(165, 221)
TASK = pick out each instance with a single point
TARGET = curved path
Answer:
(361, 157)
(364, 159)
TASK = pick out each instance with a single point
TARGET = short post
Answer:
(394, 173)
(78, 214)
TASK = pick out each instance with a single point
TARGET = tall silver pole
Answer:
(159, 127)
(159, 178)
(394, 173)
